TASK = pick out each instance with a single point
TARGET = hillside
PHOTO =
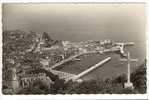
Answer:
(23, 51)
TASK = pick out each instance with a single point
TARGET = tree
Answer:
(38, 87)
(139, 78)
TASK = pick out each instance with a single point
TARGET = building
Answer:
(27, 80)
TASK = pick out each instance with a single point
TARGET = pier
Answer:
(77, 55)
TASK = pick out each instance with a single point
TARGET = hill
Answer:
(21, 49)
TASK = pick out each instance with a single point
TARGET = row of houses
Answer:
(85, 46)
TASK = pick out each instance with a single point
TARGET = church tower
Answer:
(14, 81)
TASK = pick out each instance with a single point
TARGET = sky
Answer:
(77, 22)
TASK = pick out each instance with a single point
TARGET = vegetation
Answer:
(139, 78)
(49, 41)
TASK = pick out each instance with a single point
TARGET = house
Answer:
(45, 62)
(27, 80)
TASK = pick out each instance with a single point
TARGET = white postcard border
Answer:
(72, 97)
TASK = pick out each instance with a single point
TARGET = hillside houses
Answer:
(85, 46)
(39, 50)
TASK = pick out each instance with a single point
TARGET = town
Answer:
(30, 58)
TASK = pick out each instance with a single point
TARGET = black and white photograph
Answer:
(73, 48)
